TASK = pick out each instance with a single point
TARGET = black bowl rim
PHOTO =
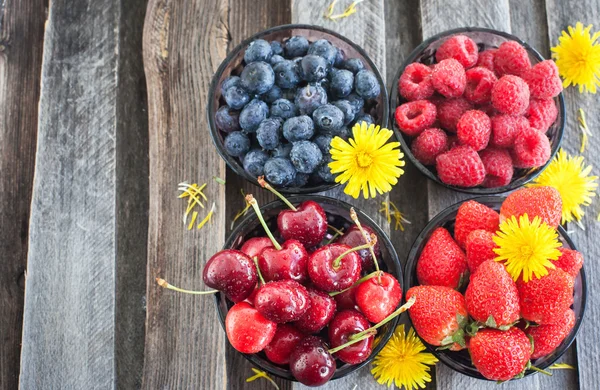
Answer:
(411, 262)
(513, 185)
(230, 161)
(365, 220)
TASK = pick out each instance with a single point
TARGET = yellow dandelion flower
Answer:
(572, 179)
(527, 247)
(402, 361)
(366, 162)
(577, 57)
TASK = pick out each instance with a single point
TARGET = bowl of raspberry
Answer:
(469, 310)
(478, 110)
(279, 98)
(318, 288)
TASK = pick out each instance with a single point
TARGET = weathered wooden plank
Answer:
(560, 15)
(528, 22)
(21, 44)
(184, 42)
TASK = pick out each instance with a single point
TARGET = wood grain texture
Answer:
(528, 22)
(21, 43)
(184, 42)
(560, 15)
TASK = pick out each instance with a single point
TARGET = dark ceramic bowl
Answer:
(485, 39)
(233, 65)
(461, 361)
(338, 215)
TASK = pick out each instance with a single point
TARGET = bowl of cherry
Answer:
(301, 295)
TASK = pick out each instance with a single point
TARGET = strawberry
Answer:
(492, 297)
(479, 247)
(547, 337)
(439, 315)
(471, 216)
(543, 202)
(442, 262)
(569, 261)
(500, 355)
(544, 300)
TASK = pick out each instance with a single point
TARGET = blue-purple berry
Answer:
(252, 114)
(325, 49)
(279, 171)
(354, 65)
(366, 84)
(236, 97)
(298, 128)
(283, 108)
(254, 162)
(342, 82)
(258, 50)
(257, 77)
(236, 144)
(328, 118)
(268, 133)
(313, 68)
(309, 98)
(227, 119)
(306, 156)
(296, 46)
(347, 109)
(286, 74)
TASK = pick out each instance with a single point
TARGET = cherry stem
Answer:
(387, 319)
(353, 341)
(337, 262)
(336, 230)
(264, 184)
(534, 368)
(260, 277)
(163, 283)
(359, 281)
(250, 199)
(365, 236)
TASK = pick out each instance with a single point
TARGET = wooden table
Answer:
(90, 217)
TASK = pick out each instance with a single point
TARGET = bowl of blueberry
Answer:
(478, 110)
(279, 98)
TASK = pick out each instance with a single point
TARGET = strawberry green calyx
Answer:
(458, 337)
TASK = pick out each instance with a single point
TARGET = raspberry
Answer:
(542, 113)
(510, 95)
(480, 82)
(450, 111)
(488, 109)
(569, 261)
(505, 129)
(474, 128)
(486, 59)
(461, 48)
(472, 215)
(543, 80)
(532, 149)
(480, 248)
(511, 58)
(498, 167)
(429, 144)
(414, 117)
(460, 166)
(448, 78)
(415, 82)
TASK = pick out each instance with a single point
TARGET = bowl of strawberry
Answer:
(475, 309)
(478, 110)
(308, 288)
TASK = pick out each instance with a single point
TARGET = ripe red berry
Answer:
(307, 224)
(285, 340)
(498, 167)
(378, 297)
(543, 80)
(500, 355)
(569, 261)
(510, 95)
(472, 215)
(511, 58)
(450, 110)
(311, 363)
(480, 82)
(474, 128)
(442, 262)
(415, 82)
(448, 78)
(247, 330)
(543, 202)
(321, 311)
(255, 245)
(544, 300)
(345, 324)
(231, 272)
(429, 144)
(546, 338)
(328, 276)
(479, 247)
(531, 149)
(414, 117)
(505, 129)
(460, 166)
(459, 47)
(542, 113)
(282, 301)
(486, 59)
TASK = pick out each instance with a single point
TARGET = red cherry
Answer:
(311, 363)
(285, 340)
(345, 324)
(346, 300)
(289, 262)
(247, 330)
(231, 272)
(255, 245)
(378, 297)
(307, 223)
(354, 237)
(282, 301)
(330, 274)
(321, 311)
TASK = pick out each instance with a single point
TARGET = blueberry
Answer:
(323, 141)
(367, 85)
(309, 98)
(231, 81)
(276, 48)
(283, 108)
(298, 128)
(339, 58)
(324, 172)
(362, 117)
(343, 132)
(282, 150)
(258, 77)
(323, 48)
(325, 84)
(347, 109)
(300, 181)
(356, 101)
(276, 59)
(296, 46)
(259, 50)
(272, 94)
(286, 74)
(254, 162)
(342, 82)
(328, 118)
(306, 156)
(313, 68)
(236, 97)
(253, 113)
(268, 133)
(227, 119)
(354, 65)
(236, 143)
(279, 171)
